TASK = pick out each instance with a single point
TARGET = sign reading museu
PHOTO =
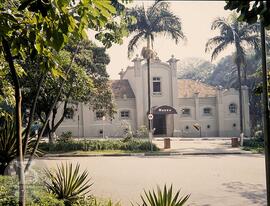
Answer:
(164, 110)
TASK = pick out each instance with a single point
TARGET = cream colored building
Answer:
(177, 105)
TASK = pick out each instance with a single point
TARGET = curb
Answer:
(148, 154)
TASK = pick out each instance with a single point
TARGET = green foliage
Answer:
(95, 145)
(6, 90)
(142, 132)
(8, 143)
(36, 195)
(163, 198)
(196, 69)
(65, 137)
(254, 144)
(251, 11)
(93, 201)
(8, 149)
(67, 183)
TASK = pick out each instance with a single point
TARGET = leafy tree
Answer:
(251, 11)
(34, 27)
(196, 69)
(87, 82)
(156, 20)
(7, 99)
(225, 75)
(237, 34)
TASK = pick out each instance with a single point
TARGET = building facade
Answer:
(181, 108)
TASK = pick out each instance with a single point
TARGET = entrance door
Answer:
(159, 123)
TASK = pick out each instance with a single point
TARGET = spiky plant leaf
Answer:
(67, 183)
(8, 142)
(163, 198)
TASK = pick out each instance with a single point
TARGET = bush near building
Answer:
(97, 145)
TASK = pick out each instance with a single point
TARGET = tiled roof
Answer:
(187, 88)
(121, 88)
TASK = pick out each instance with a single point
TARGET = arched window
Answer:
(232, 108)
(207, 111)
(69, 113)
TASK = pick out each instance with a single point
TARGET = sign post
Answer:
(150, 118)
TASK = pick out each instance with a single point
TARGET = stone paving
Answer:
(200, 145)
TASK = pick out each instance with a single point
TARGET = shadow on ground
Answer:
(255, 193)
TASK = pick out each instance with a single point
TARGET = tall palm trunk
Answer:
(18, 97)
(149, 90)
(240, 101)
(266, 122)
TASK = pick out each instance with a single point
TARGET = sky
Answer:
(196, 17)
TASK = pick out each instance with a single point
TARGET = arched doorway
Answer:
(159, 121)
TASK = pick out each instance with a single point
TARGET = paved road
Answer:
(215, 180)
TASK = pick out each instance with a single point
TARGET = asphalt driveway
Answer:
(213, 180)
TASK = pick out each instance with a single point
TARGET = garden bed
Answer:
(97, 145)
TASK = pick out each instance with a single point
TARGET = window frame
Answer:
(156, 80)
(125, 116)
(234, 111)
(69, 114)
(207, 113)
(97, 117)
(186, 114)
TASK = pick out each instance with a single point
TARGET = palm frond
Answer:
(167, 23)
(221, 23)
(133, 43)
(218, 49)
(253, 40)
(157, 19)
(215, 41)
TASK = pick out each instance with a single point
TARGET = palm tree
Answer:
(157, 19)
(240, 35)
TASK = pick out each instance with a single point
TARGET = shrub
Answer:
(65, 137)
(93, 145)
(142, 132)
(257, 142)
(67, 184)
(36, 195)
(93, 201)
(165, 198)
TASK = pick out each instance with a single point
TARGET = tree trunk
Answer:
(51, 136)
(55, 126)
(18, 97)
(50, 111)
(266, 122)
(149, 92)
(245, 74)
(240, 102)
(32, 113)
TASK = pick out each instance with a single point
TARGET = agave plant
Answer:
(165, 198)
(8, 143)
(67, 183)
